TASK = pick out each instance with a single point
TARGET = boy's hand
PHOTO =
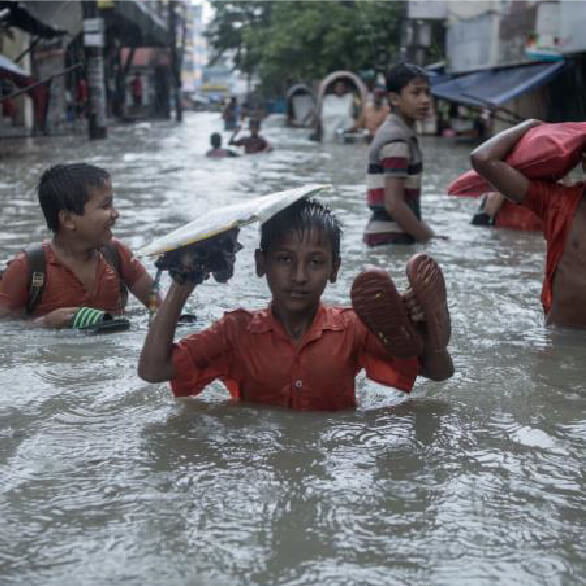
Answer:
(58, 318)
(214, 257)
(189, 271)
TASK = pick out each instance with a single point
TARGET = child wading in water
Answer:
(83, 271)
(297, 352)
(395, 164)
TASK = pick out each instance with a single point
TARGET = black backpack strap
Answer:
(37, 278)
(112, 255)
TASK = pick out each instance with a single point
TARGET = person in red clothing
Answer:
(563, 211)
(81, 98)
(77, 203)
(297, 352)
(136, 89)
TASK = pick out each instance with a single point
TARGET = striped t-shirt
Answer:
(394, 152)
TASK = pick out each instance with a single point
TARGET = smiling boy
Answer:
(82, 265)
(297, 352)
(395, 166)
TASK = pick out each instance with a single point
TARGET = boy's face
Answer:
(253, 128)
(94, 226)
(414, 100)
(298, 267)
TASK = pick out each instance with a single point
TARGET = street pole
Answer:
(175, 60)
(93, 27)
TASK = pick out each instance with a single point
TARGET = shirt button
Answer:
(298, 384)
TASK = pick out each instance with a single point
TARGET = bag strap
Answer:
(36, 276)
(112, 256)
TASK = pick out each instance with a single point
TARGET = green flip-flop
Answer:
(97, 321)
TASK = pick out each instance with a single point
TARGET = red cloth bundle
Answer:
(517, 217)
(547, 152)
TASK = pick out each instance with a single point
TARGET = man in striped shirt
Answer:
(395, 165)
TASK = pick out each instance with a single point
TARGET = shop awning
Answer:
(15, 14)
(136, 24)
(496, 87)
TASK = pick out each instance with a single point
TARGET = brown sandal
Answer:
(427, 282)
(380, 307)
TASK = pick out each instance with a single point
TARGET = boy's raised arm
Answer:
(488, 161)
(155, 364)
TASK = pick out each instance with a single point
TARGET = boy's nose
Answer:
(300, 274)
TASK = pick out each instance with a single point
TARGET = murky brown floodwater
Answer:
(107, 480)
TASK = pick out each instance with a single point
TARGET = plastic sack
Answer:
(547, 152)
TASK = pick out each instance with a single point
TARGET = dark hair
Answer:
(254, 122)
(301, 217)
(216, 140)
(65, 187)
(401, 74)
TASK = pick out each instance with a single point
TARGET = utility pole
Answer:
(176, 58)
(93, 27)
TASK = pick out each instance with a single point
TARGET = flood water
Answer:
(105, 479)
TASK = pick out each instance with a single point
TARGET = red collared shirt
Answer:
(556, 205)
(64, 289)
(258, 362)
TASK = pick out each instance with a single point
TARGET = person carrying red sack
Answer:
(563, 212)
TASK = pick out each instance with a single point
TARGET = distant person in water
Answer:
(230, 114)
(217, 152)
(254, 143)
(375, 113)
(394, 168)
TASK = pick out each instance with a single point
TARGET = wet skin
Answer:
(569, 284)
(298, 268)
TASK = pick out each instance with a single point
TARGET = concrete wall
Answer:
(572, 26)
(473, 44)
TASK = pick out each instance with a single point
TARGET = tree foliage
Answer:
(304, 40)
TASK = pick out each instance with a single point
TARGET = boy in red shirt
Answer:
(297, 352)
(563, 211)
(77, 203)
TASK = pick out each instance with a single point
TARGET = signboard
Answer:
(93, 32)
(434, 9)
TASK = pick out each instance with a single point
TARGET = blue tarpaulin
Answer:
(496, 86)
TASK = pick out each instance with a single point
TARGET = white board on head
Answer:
(216, 221)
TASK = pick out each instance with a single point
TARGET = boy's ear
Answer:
(66, 220)
(259, 261)
(335, 269)
(393, 98)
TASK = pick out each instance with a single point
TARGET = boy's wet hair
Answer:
(66, 187)
(401, 74)
(301, 217)
(216, 140)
